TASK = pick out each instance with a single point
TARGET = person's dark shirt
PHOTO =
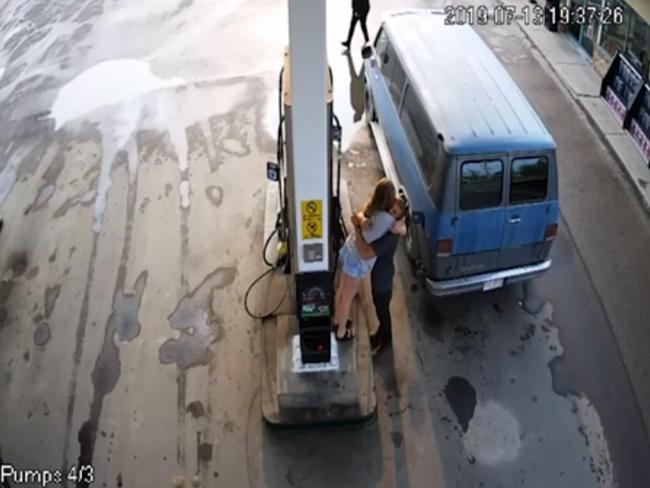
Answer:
(384, 268)
(361, 6)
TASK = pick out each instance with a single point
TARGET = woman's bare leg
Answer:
(349, 287)
(337, 288)
(340, 283)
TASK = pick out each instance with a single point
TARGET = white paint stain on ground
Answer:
(184, 189)
(120, 83)
(123, 96)
(109, 83)
(493, 435)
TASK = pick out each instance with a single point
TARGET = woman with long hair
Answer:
(379, 214)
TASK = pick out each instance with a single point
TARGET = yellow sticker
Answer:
(312, 219)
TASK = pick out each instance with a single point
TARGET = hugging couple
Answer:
(370, 249)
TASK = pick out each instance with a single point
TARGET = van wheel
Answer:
(371, 115)
(409, 243)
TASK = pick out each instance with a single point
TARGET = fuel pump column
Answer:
(308, 377)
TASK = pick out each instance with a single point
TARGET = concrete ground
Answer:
(133, 145)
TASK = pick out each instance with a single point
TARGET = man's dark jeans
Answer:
(382, 306)
(358, 17)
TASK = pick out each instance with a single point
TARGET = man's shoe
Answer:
(375, 344)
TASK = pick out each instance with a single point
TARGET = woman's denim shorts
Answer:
(351, 262)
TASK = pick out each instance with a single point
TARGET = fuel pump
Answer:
(308, 376)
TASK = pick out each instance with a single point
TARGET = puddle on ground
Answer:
(461, 397)
(197, 322)
(560, 377)
(42, 334)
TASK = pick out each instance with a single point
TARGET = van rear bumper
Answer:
(466, 284)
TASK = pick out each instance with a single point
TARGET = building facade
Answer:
(631, 37)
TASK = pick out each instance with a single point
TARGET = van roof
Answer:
(483, 109)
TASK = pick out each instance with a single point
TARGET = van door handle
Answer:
(514, 220)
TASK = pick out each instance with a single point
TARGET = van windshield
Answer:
(528, 179)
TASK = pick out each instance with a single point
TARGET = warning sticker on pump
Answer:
(312, 219)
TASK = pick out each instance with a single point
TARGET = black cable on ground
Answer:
(250, 288)
(272, 267)
(266, 244)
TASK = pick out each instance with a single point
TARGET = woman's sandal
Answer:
(349, 333)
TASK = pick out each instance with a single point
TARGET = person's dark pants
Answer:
(382, 307)
(358, 17)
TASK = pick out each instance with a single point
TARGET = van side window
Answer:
(481, 184)
(381, 43)
(396, 83)
(421, 136)
(528, 179)
(387, 60)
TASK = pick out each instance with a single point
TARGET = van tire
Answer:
(409, 243)
(371, 115)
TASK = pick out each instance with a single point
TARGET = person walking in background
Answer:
(360, 9)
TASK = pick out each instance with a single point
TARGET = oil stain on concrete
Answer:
(18, 264)
(203, 450)
(51, 296)
(510, 412)
(198, 323)
(32, 273)
(196, 409)
(50, 177)
(45, 192)
(215, 195)
(124, 323)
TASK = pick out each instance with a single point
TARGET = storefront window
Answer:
(638, 44)
(613, 37)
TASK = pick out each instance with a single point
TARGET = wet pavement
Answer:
(133, 145)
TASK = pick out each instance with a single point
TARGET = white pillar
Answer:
(309, 131)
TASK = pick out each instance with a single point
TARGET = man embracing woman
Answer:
(370, 250)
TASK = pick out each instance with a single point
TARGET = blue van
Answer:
(466, 150)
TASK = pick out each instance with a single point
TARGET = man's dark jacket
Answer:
(384, 268)
(361, 6)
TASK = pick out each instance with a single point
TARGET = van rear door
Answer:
(480, 216)
(527, 211)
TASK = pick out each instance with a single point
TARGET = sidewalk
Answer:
(574, 69)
